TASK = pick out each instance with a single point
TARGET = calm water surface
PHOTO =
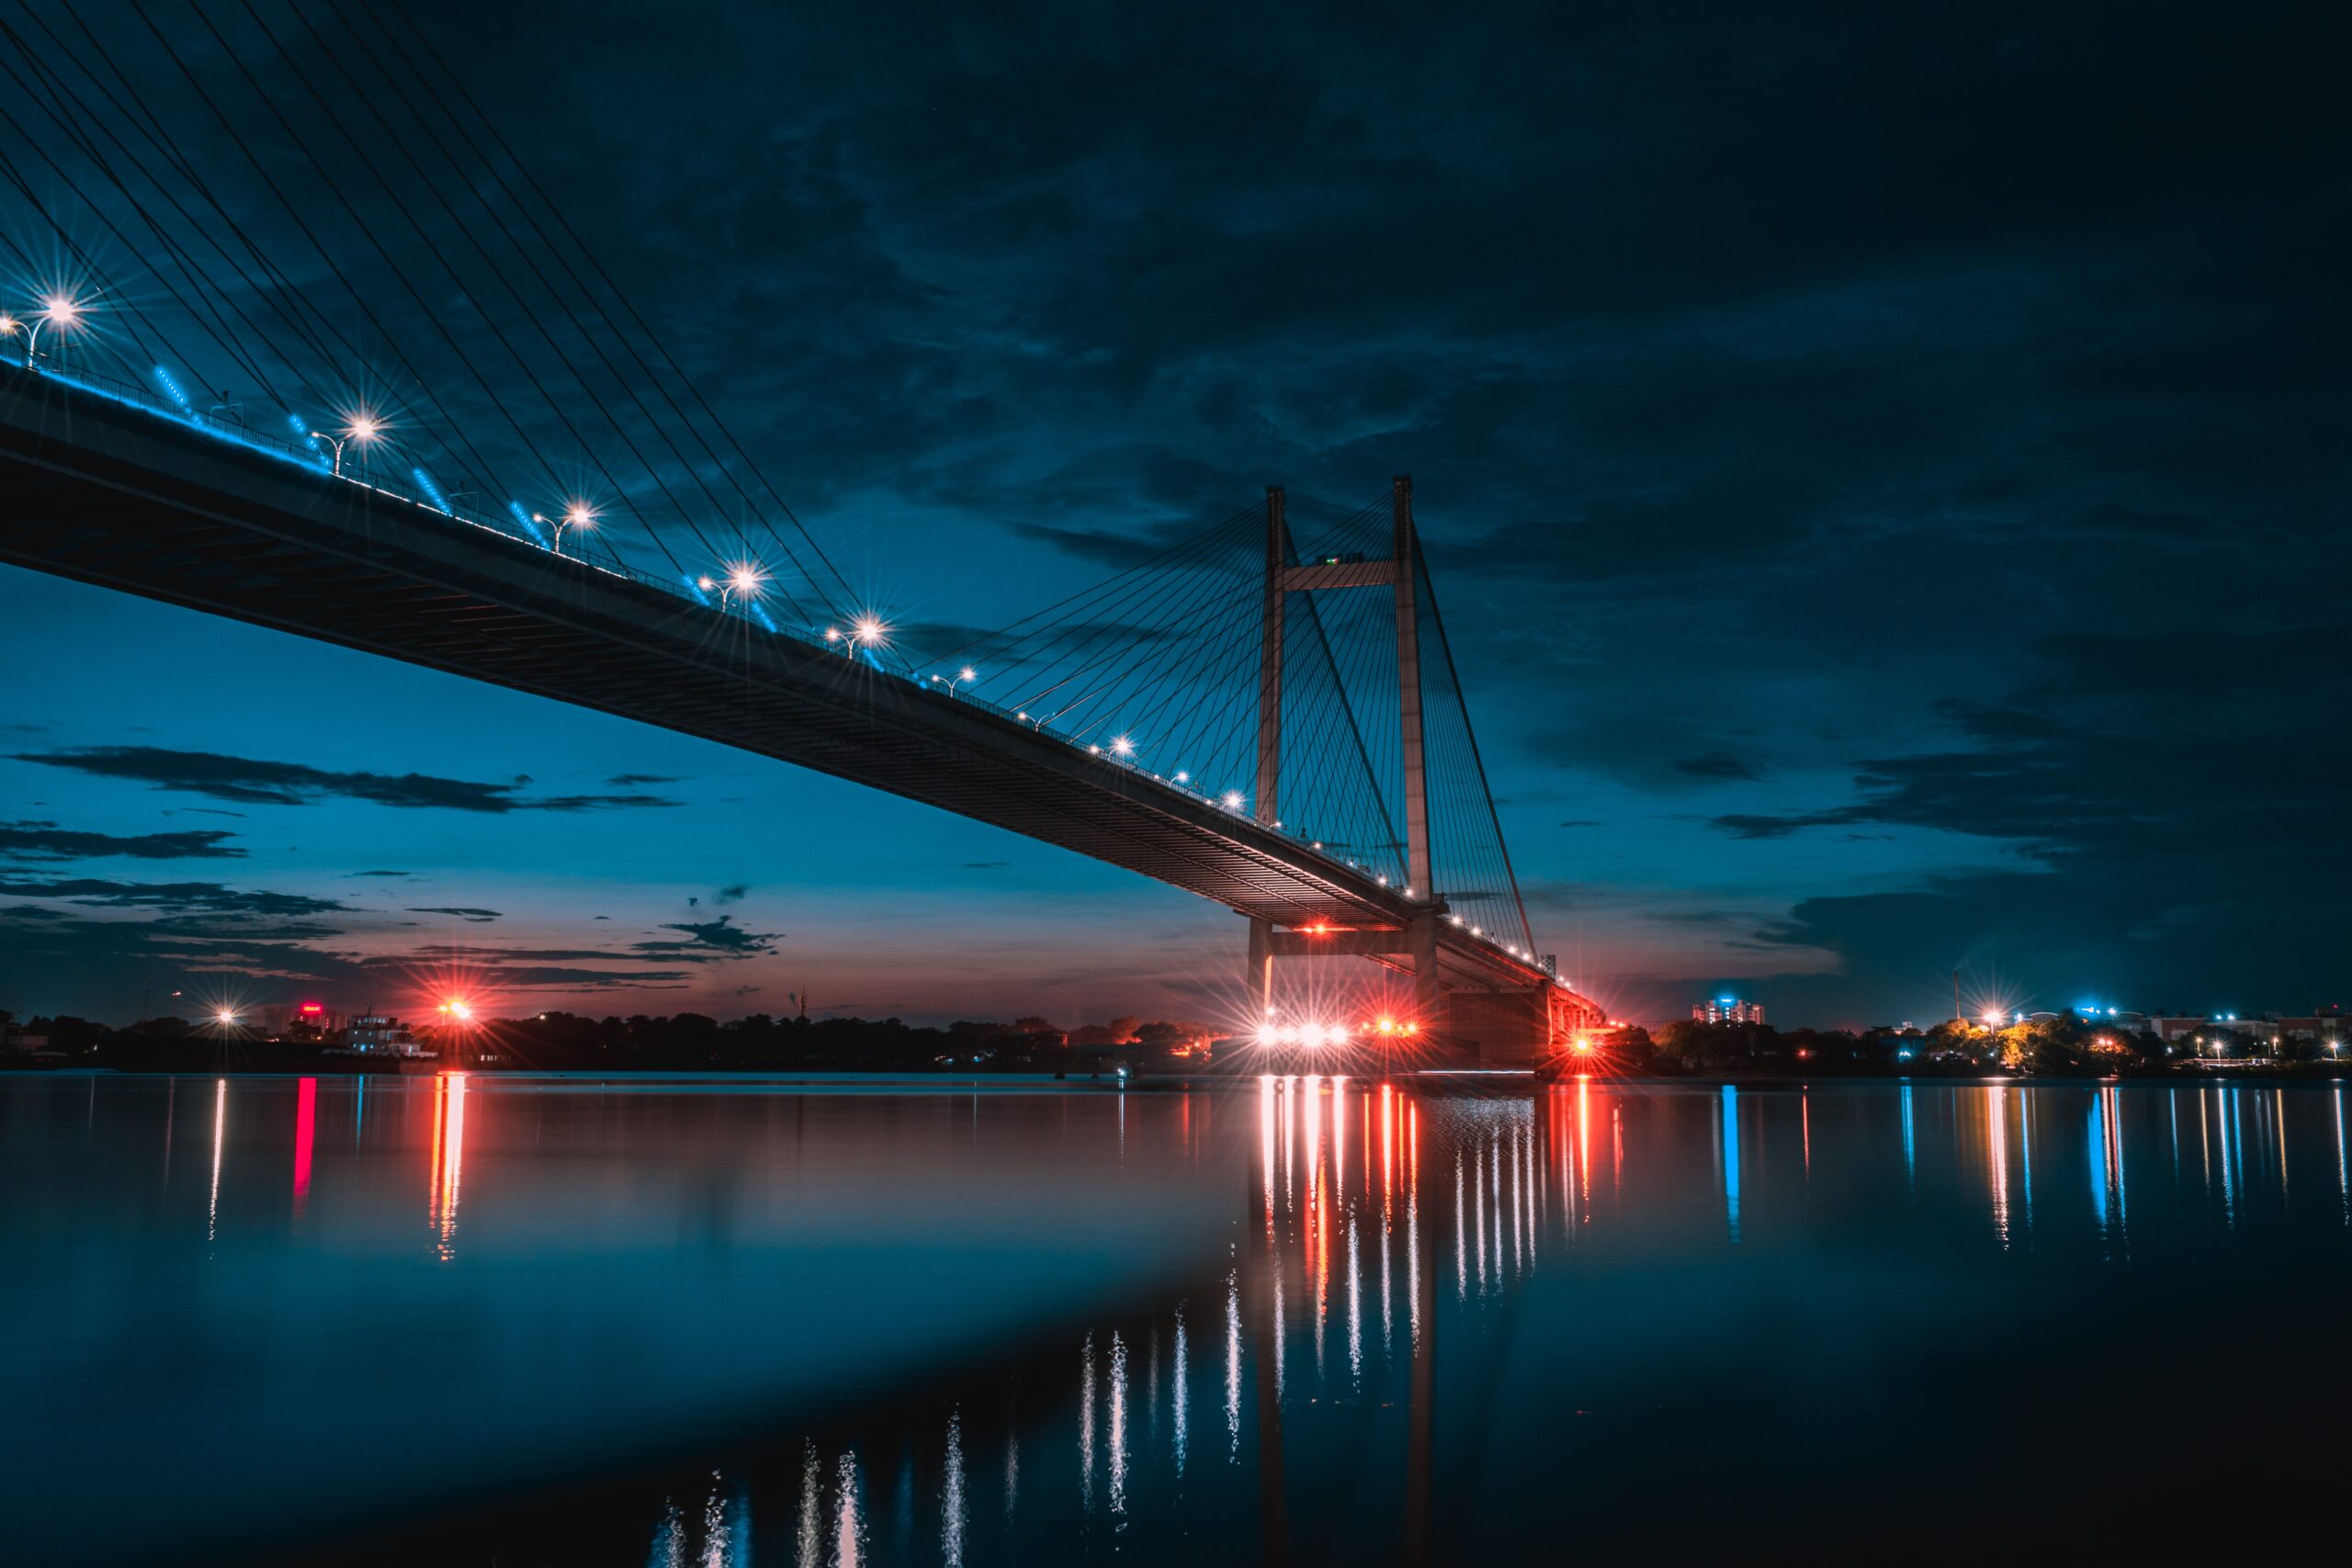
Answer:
(522, 1321)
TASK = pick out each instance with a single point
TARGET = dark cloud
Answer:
(477, 917)
(1714, 765)
(383, 873)
(731, 895)
(166, 896)
(47, 841)
(297, 783)
(628, 780)
(711, 940)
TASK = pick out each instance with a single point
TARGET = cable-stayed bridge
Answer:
(288, 334)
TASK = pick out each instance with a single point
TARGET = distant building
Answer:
(1727, 1010)
(376, 1034)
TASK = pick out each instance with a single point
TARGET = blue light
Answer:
(302, 429)
(1730, 1125)
(1724, 1001)
(760, 614)
(524, 517)
(695, 589)
(432, 491)
(171, 388)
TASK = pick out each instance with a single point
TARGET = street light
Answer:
(59, 311)
(575, 516)
(364, 431)
(741, 585)
(869, 632)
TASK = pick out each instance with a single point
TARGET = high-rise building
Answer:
(1726, 1010)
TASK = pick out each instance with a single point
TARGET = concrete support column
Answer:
(1258, 970)
(1270, 664)
(1429, 997)
(1417, 874)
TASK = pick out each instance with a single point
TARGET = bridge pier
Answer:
(1258, 970)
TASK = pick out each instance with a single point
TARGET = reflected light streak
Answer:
(1117, 1455)
(808, 1537)
(2343, 1172)
(1413, 1263)
(849, 1515)
(1233, 1366)
(2115, 1173)
(2025, 1155)
(1178, 1388)
(220, 1128)
(448, 1159)
(954, 1517)
(1319, 1221)
(1461, 1235)
(1290, 1146)
(2278, 1115)
(1494, 1176)
(1355, 1308)
(1997, 1142)
(1012, 1466)
(1584, 1139)
(1086, 1425)
(2223, 1107)
(306, 1112)
(1910, 1147)
(1388, 1307)
(1281, 1332)
(1478, 1217)
(1266, 1110)
(1730, 1139)
(1339, 1137)
(1388, 1145)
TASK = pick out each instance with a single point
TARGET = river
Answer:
(515, 1320)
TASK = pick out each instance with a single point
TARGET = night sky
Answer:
(1885, 467)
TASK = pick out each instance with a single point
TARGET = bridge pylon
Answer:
(1416, 942)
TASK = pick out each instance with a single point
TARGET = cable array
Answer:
(302, 228)
(1158, 667)
(299, 227)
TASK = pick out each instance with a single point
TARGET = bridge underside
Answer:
(118, 496)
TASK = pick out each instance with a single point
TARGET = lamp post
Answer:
(576, 516)
(59, 311)
(362, 430)
(742, 584)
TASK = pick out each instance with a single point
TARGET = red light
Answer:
(312, 1007)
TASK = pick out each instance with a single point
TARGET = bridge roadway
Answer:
(98, 488)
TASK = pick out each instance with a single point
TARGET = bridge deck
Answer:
(99, 490)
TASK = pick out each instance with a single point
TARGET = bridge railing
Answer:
(305, 455)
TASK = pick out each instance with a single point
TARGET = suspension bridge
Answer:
(288, 334)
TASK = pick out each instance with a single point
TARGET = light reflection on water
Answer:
(1635, 1270)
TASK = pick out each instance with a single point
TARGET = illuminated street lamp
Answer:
(965, 673)
(869, 632)
(1123, 747)
(364, 431)
(742, 584)
(61, 311)
(576, 515)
